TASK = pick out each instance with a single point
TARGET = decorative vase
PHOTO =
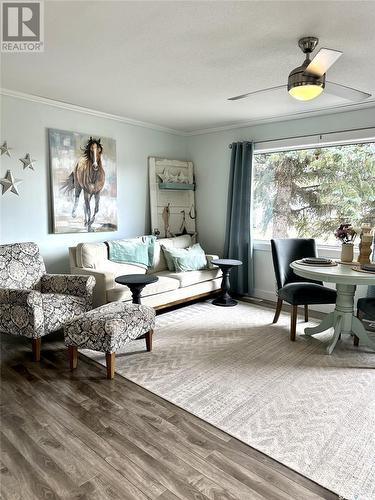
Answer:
(365, 248)
(365, 244)
(347, 252)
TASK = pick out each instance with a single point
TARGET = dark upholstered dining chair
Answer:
(366, 308)
(294, 289)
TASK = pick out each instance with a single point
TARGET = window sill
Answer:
(327, 250)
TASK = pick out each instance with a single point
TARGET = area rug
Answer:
(231, 367)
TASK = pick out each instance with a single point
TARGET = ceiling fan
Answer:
(308, 81)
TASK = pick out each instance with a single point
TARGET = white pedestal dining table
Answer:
(342, 319)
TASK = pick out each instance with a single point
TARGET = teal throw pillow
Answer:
(168, 256)
(133, 251)
(185, 259)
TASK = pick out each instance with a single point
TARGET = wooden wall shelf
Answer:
(176, 186)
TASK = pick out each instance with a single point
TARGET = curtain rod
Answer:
(311, 135)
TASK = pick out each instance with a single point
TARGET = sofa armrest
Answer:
(26, 304)
(209, 258)
(69, 284)
(19, 296)
(104, 280)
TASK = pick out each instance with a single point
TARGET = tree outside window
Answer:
(307, 193)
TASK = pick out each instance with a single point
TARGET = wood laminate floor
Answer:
(79, 436)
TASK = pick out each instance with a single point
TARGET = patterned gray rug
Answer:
(231, 367)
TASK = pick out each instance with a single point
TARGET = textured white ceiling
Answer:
(176, 63)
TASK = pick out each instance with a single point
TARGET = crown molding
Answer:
(88, 111)
(159, 128)
(286, 117)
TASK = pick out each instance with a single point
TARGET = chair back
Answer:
(21, 266)
(371, 288)
(284, 252)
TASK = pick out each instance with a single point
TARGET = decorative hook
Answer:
(192, 213)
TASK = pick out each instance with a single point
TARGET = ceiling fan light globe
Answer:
(306, 92)
(304, 86)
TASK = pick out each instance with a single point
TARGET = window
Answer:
(309, 192)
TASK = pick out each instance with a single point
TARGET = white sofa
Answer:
(171, 288)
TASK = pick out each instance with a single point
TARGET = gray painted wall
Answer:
(211, 157)
(26, 217)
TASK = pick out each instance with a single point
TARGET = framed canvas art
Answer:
(83, 181)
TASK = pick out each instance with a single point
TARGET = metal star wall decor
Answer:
(4, 149)
(10, 183)
(28, 161)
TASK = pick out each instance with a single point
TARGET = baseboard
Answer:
(265, 294)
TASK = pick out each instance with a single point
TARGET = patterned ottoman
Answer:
(107, 329)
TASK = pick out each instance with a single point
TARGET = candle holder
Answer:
(365, 243)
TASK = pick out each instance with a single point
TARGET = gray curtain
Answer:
(238, 244)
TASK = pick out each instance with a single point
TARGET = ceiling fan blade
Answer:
(242, 96)
(323, 61)
(346, 92)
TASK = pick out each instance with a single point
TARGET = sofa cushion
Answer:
(159, 263)
(91, 255)
(164, 284)
(118, 269)
(191, 277)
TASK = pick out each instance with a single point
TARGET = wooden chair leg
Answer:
(73, 356)
(279, 305)
(355, 338)
(306, 313)
(36, 345)
(293, 323)
(110, 358)
(148, 338)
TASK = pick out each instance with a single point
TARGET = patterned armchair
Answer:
(33, 303)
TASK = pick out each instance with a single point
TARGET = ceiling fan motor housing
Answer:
(299, 76)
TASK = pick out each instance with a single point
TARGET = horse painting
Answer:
(83, 177)
(88, 175)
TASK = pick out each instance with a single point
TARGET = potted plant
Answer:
(346, 234)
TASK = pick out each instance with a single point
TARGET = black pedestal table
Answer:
(225, 300)
(136, 283)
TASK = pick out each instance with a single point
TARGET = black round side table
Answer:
(136, 283)
(225, 300)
